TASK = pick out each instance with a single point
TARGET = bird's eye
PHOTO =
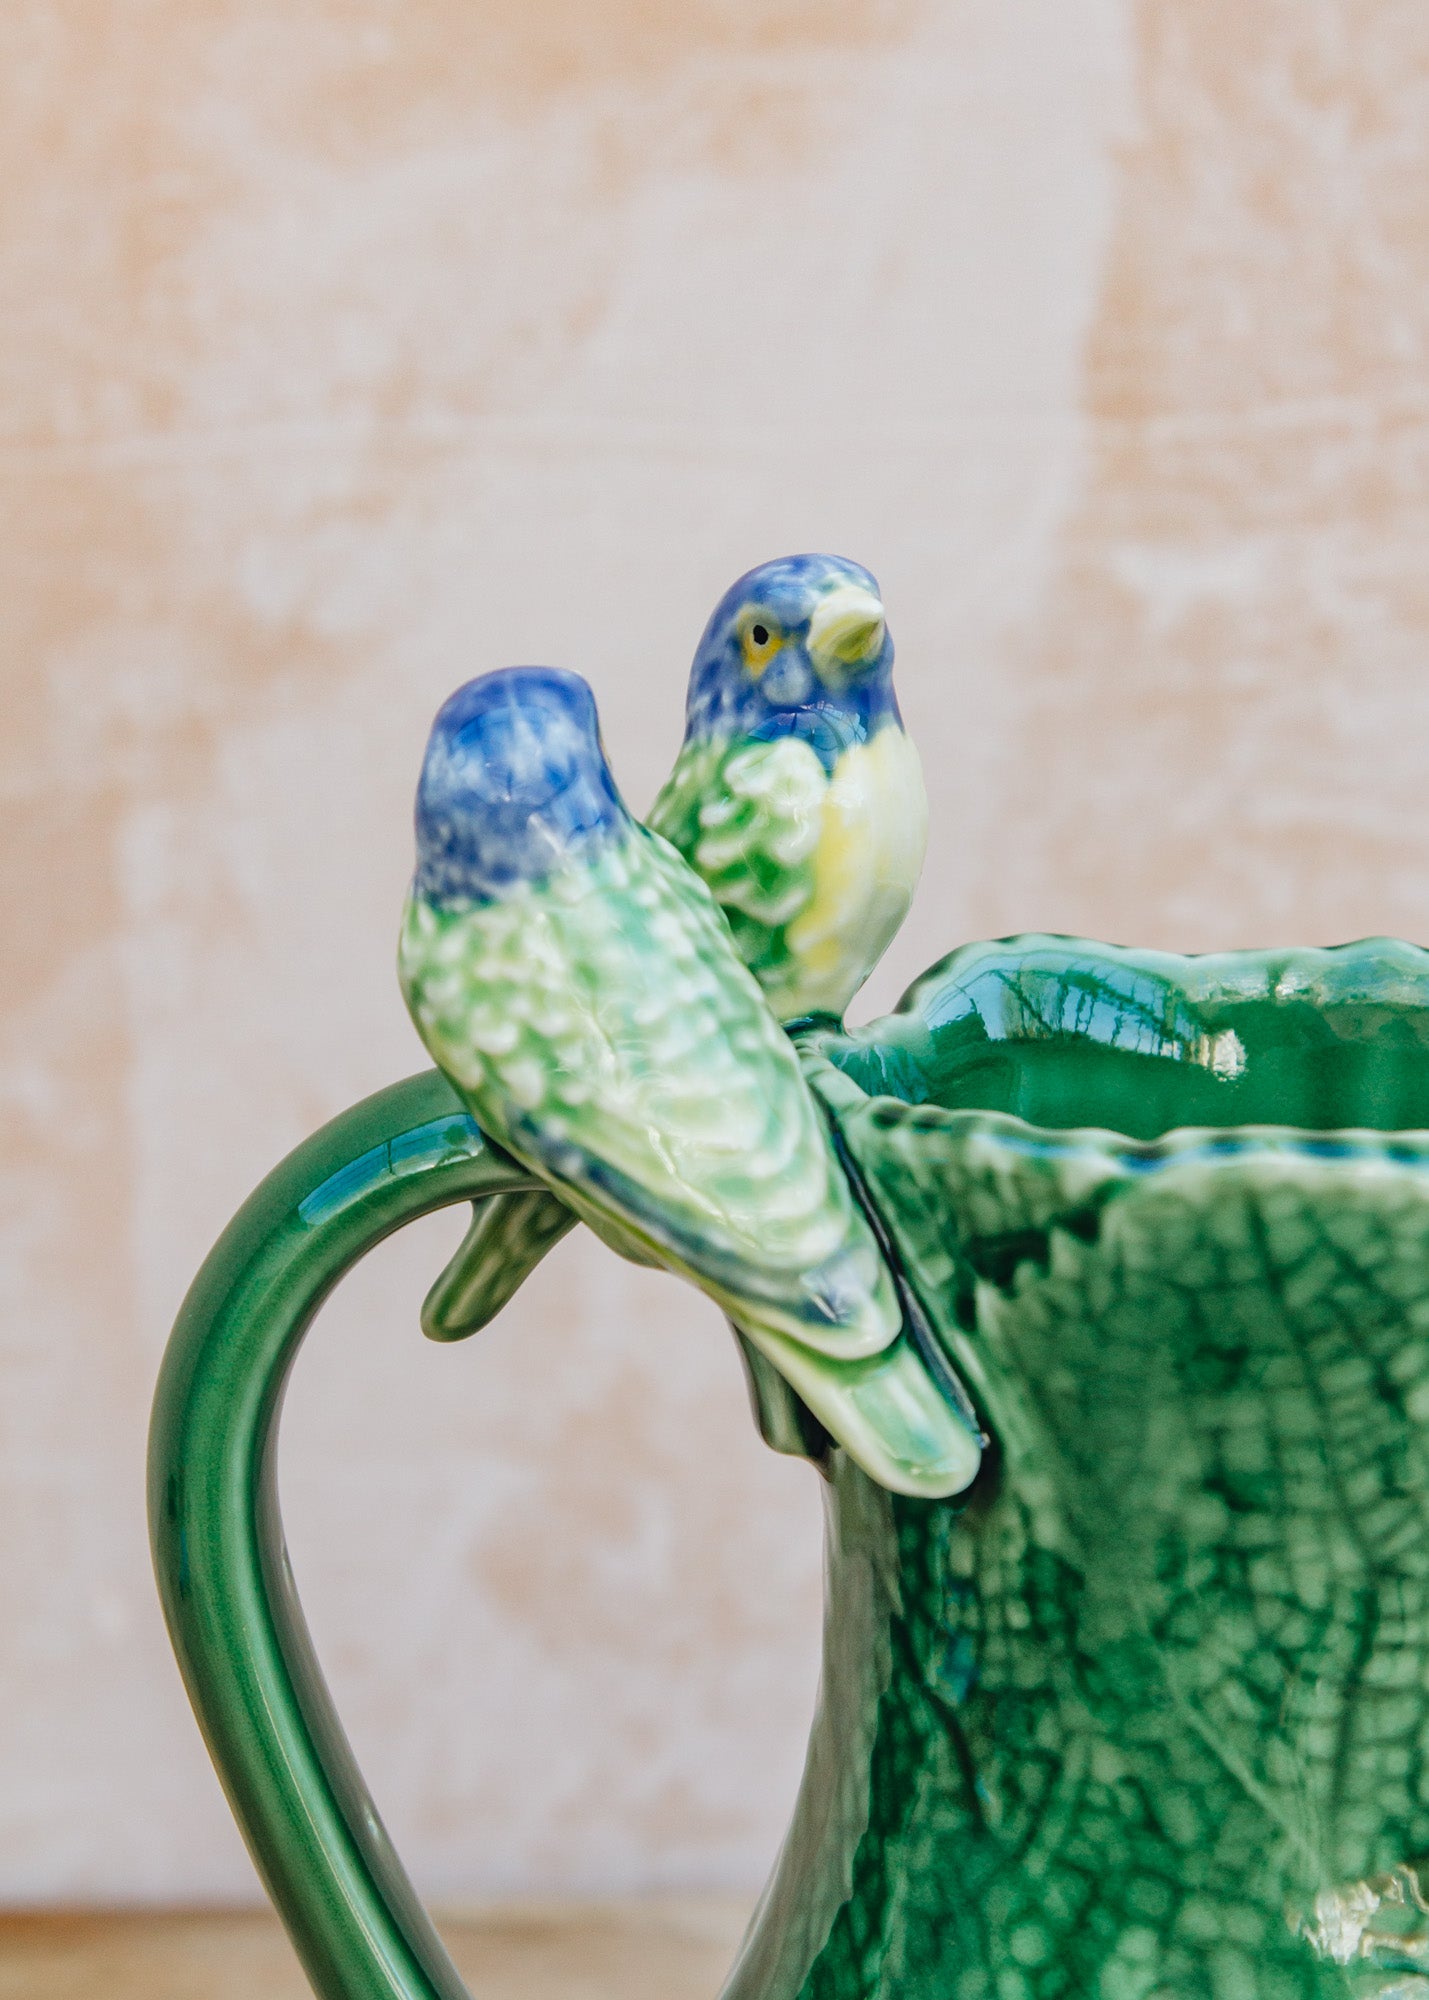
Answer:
(760, 643)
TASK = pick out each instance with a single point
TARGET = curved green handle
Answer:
(217, 1536)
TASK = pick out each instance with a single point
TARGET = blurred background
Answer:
(349, 348)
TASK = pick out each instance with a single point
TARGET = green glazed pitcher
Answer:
(1141, 1715)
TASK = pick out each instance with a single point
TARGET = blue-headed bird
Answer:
(799, 799)
(576, 982)
(797, 794)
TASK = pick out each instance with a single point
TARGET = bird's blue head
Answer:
(799, 646)
(514, 783)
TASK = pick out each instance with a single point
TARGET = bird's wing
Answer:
(675, 815)
(848, 896)
(601, 1026)
(747, 818)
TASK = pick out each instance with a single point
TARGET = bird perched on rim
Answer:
(797, 795)
(574, 979)
(799, 799)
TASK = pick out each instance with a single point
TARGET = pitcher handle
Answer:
(217, 1534)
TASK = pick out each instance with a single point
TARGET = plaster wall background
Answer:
(348, 349)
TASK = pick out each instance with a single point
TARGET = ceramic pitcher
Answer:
(1144, 1713)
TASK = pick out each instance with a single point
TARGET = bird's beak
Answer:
(846, 631)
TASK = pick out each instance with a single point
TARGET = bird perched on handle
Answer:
(797, 796)
(799, 799)
(574, 979)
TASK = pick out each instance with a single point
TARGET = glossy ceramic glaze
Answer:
(575, 980)
(1148, 1714)
(797, 795)
(1144, 1714)
(798, 800)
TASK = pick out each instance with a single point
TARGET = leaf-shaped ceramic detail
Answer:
(1142, 1716)
(1154, 1714)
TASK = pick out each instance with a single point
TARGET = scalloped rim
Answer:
(1383, 969)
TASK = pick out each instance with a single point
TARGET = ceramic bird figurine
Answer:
(799, 799)
(575, 981)
(797, 795)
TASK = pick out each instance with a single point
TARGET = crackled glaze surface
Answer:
(1149, 1716)
(1154, 1716)
(1144, 1715)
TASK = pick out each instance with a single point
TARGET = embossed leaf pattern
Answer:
(1157, 1719)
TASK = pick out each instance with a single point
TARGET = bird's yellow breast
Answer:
(865, 868)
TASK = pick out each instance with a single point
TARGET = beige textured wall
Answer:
(348, 348)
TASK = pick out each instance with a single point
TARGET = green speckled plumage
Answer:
(809, 833)
(746, 816)
(814, 870)
(601, 1028)
(577, 984)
